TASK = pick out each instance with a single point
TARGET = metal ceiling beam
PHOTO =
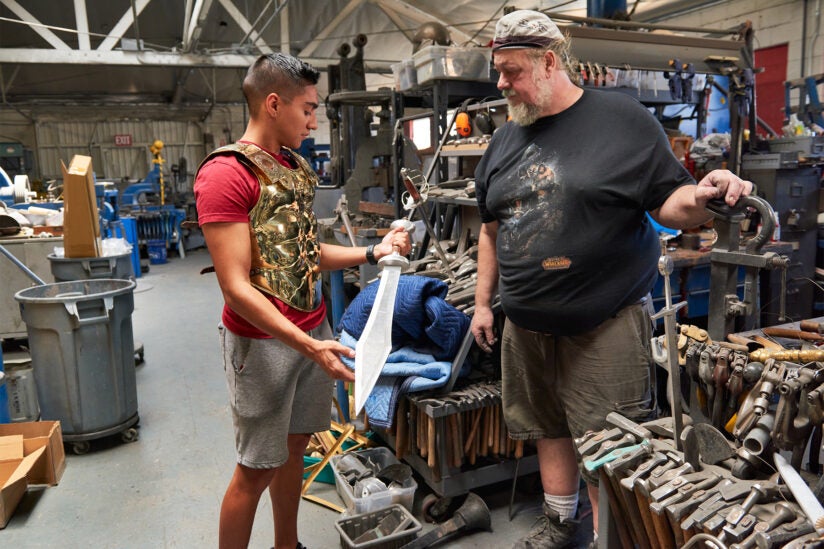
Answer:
(285, 36)
(187, 17)
(35, 25)
(275, 13)
(245, 25)
(6, 85)
(420, 16)
(398, 22)
(122, 26)
(82, 22)
(194, 23)
(148, 58)
(322, 35)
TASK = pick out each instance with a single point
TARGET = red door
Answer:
(769, 86)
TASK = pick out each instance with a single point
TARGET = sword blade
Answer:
(375, 342)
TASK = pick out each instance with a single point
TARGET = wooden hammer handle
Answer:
(792, 334)
(811, 326)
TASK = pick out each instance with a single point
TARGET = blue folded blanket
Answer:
(421, 319)
(426, 335)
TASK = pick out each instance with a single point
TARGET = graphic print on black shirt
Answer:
(534, 202)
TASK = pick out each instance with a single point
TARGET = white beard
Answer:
(525, 114)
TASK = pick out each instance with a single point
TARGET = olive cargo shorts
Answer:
(557, 387)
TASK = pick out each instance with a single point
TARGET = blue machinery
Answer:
(809, 105)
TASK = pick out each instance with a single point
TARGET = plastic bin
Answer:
(351, 528)
(67, 269)
(157, 251)
(405, 75)
(381, 457)
(82, 354)
(450, 62)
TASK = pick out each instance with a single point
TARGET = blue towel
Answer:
(421, 318)
(426, 335)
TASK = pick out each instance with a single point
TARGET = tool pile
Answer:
(663, 498)
(465, 425)
(718, 481)
(766, 397)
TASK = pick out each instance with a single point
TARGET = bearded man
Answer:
(563, 191)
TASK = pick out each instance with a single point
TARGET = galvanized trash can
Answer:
(82, 352)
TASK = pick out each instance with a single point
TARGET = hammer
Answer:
(811, 326)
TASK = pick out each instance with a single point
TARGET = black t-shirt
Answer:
(570, 194)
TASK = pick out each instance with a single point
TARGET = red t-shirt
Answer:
(225, 191)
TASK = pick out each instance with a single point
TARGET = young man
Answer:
(254, 201)
(563, 190)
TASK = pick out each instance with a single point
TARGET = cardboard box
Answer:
(37, 435)
(81, 227)
(15, 464)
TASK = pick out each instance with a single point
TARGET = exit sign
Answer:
(123, 140)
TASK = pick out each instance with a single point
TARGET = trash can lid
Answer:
(76, 290)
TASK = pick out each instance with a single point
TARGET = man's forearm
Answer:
(487, 283)
(683, 209)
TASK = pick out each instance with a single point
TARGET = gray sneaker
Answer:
(549, 532)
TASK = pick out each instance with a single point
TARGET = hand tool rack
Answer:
(656, 496)
(458, 441)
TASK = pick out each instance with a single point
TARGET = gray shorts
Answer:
(557, 387)
(274, 391)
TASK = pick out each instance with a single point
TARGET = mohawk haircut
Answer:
(277, 73)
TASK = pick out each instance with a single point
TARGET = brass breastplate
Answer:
(283, 228)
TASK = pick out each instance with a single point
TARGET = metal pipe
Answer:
(815, 36)
(136, 27)
(26, 270)
(635, 25)
(804, 39)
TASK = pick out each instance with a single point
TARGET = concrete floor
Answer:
(165, 489)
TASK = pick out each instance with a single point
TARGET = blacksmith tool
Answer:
(784, 512)
(630, 505)
(412, 179)
(726, 257)
(774, 331)
(783, 533)
(713, 447)
(694, 522)
(676, 491)
(608, 446)
(668, 313)
(628, 426)
(595, 464)
(678, 512)
(812, 326)
(590, 442)
(472, 515)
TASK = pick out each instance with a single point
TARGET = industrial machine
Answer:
(16, 191)
(158, 220)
